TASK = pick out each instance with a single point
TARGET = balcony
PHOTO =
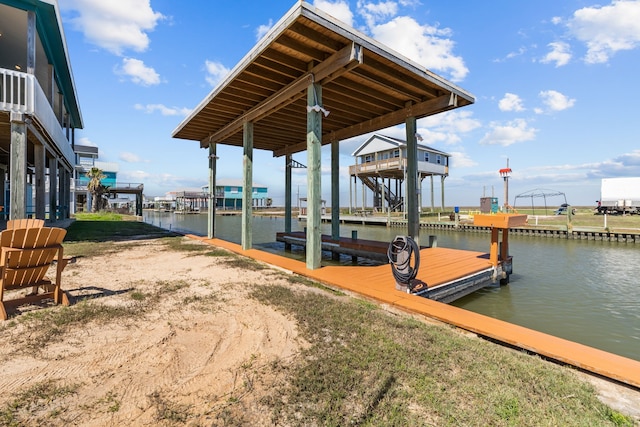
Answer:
(395, 166)
(21, 93)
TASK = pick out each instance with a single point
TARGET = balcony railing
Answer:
(21, 93)
(395, 164)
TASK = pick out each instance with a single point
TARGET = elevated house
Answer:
(381, 167)
(39, 111)
(87, 158)
(229, 194)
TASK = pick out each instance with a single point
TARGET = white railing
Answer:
(15, 96)
(21, 93)
(396, 163)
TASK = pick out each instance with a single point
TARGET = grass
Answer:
(367, 367)
(41, 404)
(363, 366)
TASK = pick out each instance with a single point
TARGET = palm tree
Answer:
(95, 187)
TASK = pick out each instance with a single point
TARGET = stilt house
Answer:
(381, 167)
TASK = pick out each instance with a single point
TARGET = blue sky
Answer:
(555, 85)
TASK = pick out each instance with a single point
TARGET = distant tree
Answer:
(96, 188)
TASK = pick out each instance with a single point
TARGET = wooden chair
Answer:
(25, 256)
(25, 223)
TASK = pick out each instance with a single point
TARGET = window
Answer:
(426, 156)
(368, 158)
(396, 153)
(385, 155)
(438, 159)
(235, 189)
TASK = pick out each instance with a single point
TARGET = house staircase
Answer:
(379, 189)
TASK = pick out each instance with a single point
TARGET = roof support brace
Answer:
(343, 60)
(422, 109)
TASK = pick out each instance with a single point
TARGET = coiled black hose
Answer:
(401, 269)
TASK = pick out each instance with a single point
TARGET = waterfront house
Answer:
(39, 111)
(87, 158)
(381, 167)
(229, 194)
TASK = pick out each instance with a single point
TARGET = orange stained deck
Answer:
(377, 283)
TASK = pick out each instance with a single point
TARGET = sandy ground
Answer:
(200, 354)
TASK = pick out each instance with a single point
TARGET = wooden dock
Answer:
(377, 283)
(445, 274)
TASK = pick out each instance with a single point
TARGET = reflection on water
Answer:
(584, 291)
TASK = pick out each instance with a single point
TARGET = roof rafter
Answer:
(340, 62)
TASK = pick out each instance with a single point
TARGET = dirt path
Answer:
(201, 351)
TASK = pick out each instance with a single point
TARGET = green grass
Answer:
(367, 367)
(101, 227)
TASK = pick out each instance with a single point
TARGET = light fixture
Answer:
(18, 67)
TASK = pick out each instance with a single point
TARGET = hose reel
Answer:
(400, 253)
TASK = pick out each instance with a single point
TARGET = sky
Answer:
(555, 84)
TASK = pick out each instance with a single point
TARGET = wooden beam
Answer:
(340, 62)
(423, 109)
(314, 178)
(211, 218)
(413, 214)
(247, 186)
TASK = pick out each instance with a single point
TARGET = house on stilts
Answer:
(39, 112)
(381, 168)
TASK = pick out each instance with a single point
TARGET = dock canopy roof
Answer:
(365, 87)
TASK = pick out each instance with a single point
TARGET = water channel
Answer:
(581, 290)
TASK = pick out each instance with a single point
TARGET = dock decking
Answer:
(446, 274)
(377, 283)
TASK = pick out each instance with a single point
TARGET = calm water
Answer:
(584, 291)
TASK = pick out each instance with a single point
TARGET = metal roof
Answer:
(365, 87)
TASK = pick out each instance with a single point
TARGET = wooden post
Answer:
(335, 191)
(288, 170)
(53, 188)
(442, 190)
(211, 216)
(413, 217)
(39, 154)
(432, 202)
(314, 196)
(247, 185)
(287, 193)
(18, 167)
(335, 195)
(493, 253)
(504, 247)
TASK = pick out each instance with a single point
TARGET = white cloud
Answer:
(376, 12)
(457, 121)
(560, 54)
(263, 29)
(338, 9)
(510, 133)
(138, 72)
(163, 109)
(556, 101)
(510, 102)
(460, 159)
(127, 157)
(424, 44)
(607, 29)
(215, 72)
(114, 25)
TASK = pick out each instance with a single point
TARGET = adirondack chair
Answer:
(25, 223)
(25, 256)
